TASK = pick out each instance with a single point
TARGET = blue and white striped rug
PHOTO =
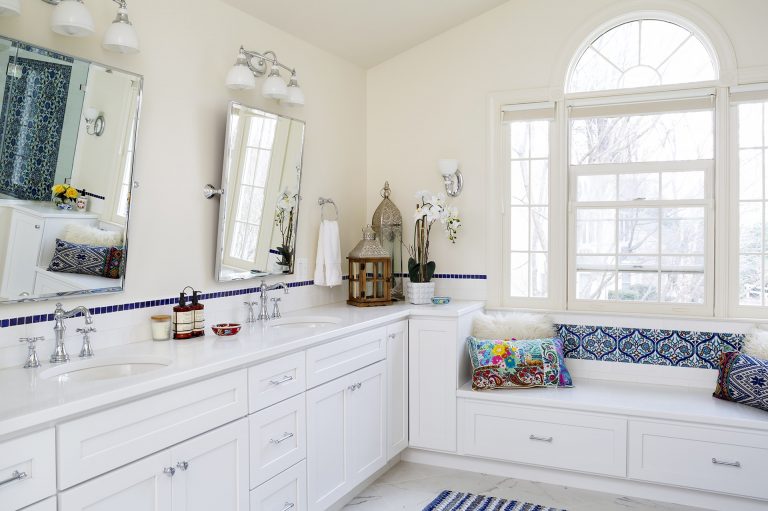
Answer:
(458, 501)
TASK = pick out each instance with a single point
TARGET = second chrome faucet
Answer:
(263, 303)
(60, 354)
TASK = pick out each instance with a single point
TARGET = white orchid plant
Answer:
(285, 213)
(430, 209)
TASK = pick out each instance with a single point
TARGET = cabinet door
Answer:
(397, 388)
(432, 376)
(140, 485)
(46, 505)
(24, 241)
(327, 472)
(212, 470)
(366, 423)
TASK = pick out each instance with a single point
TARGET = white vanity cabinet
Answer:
(397, 388)
(204, 473)
(433, 380)
(346, 434)
(27, 469)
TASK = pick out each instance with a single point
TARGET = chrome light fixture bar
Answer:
(72, 18)
(252, 64)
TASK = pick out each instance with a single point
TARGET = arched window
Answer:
(642, 53)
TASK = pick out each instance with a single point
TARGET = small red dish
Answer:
(226, 329)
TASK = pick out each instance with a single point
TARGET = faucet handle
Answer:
(276, 308)
(32, 360)
(87, 330)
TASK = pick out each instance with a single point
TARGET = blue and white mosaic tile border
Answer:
(647, 346)
(38, 318)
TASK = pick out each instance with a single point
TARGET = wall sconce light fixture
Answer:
(251, 64)
(452, 178)
(94, 122)
(10, 7)
(72, 18)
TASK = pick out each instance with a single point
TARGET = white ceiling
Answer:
(365, 32)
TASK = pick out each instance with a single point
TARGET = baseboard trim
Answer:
(605, 484)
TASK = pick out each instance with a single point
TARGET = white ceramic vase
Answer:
(419, 293)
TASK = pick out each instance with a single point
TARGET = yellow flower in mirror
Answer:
(57, 189)
(72, 193)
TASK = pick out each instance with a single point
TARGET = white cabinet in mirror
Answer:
(67, 132)
(259, 209)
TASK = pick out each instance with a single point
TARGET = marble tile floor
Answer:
(410, 487)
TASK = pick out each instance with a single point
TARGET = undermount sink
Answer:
(305, 321)
(104, 369)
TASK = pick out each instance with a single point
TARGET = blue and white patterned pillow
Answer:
(75, 258)
(743, 379)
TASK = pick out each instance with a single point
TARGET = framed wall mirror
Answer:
(67, 136)
(259, 208)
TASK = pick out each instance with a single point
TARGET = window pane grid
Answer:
(529, 209)
(752, 210)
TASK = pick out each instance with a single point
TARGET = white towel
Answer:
(328, 260)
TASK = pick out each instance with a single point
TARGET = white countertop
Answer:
(30, 402)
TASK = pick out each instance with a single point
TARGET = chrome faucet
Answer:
(264, 299)
(59, 315)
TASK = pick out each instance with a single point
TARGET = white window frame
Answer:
(754, 93)
(535, 111)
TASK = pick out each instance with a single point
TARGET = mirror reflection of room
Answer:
(259, 209)
(67, 130)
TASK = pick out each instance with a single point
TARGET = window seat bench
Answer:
(670, 436)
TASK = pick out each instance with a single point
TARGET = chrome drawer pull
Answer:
(15, 476)
(726, 463)
(284, 379)
(279, 441)
(288, 505)
(541, 438)
(182, 465)
(169, 471)
(355, 386)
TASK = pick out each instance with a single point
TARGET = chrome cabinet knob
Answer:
(182, 465)
(169, 471)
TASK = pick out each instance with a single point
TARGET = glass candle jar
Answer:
(161, 327)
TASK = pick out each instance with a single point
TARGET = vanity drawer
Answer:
(546, 437)
(276, 380)
(714, 459)
(278, 438)
(46, 505)
(100, 442)
(27, 469)
(329, 361)
(285, 492)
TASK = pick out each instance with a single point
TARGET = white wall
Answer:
(187, 48)
(432, 102)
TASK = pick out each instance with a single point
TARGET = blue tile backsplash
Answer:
(647, 346)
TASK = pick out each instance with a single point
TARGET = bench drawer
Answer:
(330, 361)
(284, 492)
(100, 442)
(715, 459)
(278, 438)
(27, 469)
(546, 437)
(276, 380)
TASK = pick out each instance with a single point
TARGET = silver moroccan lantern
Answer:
(370, 273)
(387, 222)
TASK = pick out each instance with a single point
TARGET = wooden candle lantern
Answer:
(370, 273)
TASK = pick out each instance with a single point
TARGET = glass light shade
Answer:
(274, 87)
(10, 7)
(90, 114)
(295, 96)
(120, 36)
(240, 77)
(447, 166)
(72, 18)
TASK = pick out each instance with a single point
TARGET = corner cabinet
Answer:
(207, 472)
(346, 438)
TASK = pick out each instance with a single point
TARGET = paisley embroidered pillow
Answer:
(513, 364)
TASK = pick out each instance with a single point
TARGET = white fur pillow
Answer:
(91, 235)
(513, 325)
(756, 344)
